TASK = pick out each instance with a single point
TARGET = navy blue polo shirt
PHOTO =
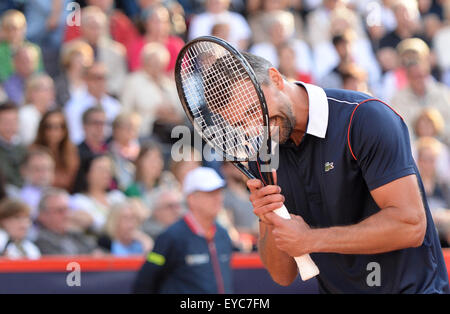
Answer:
(355, 144)
(183, 261)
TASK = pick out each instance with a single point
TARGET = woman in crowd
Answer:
(122, 235)
(149, 174)
(95, 196)
(53, 134)
(430, 123)
(157, 30)
(124, 147)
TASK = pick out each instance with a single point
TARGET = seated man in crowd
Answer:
(54, 233)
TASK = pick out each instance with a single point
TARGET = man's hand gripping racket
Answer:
(221, 96)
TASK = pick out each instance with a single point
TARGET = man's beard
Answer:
(285, 126)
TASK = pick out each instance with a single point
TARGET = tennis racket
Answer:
(222, 98)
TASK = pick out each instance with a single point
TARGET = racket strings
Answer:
(222, 99)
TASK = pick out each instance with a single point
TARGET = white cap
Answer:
(202, 179)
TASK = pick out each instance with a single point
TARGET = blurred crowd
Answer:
(88, 103)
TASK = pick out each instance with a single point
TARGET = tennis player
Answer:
(347, 176)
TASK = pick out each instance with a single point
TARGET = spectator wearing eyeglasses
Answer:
(54, 233)
(53, 134)
(11, 152)
(167, 208)
(95, 95)
(14, 224)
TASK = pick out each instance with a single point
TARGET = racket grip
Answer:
(306, 266)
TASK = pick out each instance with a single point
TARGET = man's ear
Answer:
(276, 78)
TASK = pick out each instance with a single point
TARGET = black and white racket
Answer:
(223, 100)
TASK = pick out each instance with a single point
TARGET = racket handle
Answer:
(306, 266)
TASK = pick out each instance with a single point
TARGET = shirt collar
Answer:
(318, 110)
(195, 226)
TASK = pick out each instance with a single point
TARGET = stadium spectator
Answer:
(95, 95)
(157, 30)
(38, 173)
(343, 45)
(54, 236)
(39, 98)
(94, 122)
(406, 17)
(167, 208)
(430, 123)
(149, 166)
(217, 12)
(422, 91)
(106, 50)
(46, 21)
(287, 64)
(355, 78)
(53, 134)
(119, 27)
(13, 30)
(437, 191)
(260, 10)
(152, 94)
(25, 65)
(14, 224)
(124, 148)
(193, 255)
(122, 234)
(279, 28)
(188, 161)
(95, 196)
(76, 57)
(11, 152)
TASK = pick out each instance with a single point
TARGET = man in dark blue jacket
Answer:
(193, 255)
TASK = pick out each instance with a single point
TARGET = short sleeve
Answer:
(379, 142)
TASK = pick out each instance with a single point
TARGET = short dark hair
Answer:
(11, 208)
(260, 66)
(36, 150)
(90, 111)
(8, 106)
